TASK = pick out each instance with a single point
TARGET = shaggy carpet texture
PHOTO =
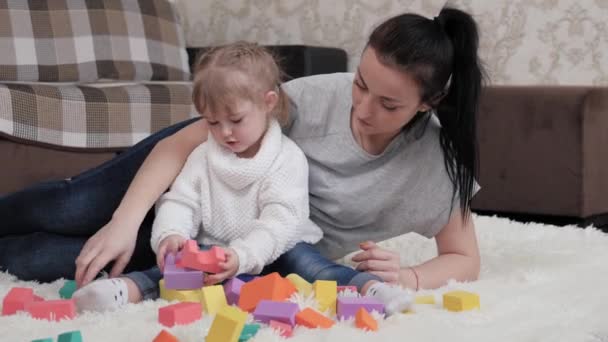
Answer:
(537, 283)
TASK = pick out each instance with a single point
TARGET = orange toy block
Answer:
(206, 261)
(313, 319)
(283, 329)
(53, 310)
(16, 300)
(271, 287)
(179, 313)
(165, 336)
(365, 321)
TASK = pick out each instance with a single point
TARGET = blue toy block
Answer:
(70, 336)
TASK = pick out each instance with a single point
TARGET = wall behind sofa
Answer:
(522, 41)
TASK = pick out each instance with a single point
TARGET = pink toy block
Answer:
(284, 312)
(347, 288)
(38, 299)
(181, 278)
(347, 307)
(232, 289)
(180, 313)
(16, 300)
(284, 329)
(206, 261)
(53, 310)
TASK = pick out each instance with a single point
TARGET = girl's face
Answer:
(384, 99)
(242, 127)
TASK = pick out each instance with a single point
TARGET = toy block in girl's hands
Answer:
(213, 298)
(304, 287)
(206, 261)
(313, 319)
(227, 325)
(165, 336)
(348, 306)
(54, 310)
(284, 312)
(326, 294)
(249, 330)
(16, 300)
(178, 295)
(180, 313)
(177, 278)
(70, 336)
(460, 301)
(284, 329)
(232, 289)
(365, 321)
(270, 287)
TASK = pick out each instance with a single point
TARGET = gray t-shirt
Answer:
(355, 196)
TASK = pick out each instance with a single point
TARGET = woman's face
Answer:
(384, 99)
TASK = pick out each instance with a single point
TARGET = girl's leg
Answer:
(78, 206)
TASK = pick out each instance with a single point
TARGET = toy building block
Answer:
(348, 291)
(284, 329)
(227, 325)
(68, 288)
(213, 298)
(165, 336)
(348, 306)
(326, 294)
(70, 336)
(460, 301)
(206, 261)
(232, 289)
(17, 299)
(249, 330)
(180, 313)
(38, 299)
(313, 319)
(177, 278)
(365, 321)
(284, 312)
(428, 299)
(178, 295)
(53, 310)
(304, 287)
(270, 287)
(48, 339)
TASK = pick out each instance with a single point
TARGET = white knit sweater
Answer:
(258, 206)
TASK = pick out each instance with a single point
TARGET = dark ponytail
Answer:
(441, 54)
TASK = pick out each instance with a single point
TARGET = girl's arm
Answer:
(116, 240)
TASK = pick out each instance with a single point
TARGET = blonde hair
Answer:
(238, 71)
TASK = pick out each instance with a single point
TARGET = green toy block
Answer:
(70, 336)
(48, 339)
(249, 330)
(68, 289)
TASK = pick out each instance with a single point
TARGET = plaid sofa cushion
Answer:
(104, 116)
(89, 40)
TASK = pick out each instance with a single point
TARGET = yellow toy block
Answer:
(213, 298)
(460, 301)
(179, 295)
(304, 287)
(326, 294)
(429, 299)
(227, 325)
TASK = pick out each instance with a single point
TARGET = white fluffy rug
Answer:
(538, 283)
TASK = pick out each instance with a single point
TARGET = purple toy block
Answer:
(179, 278)
(284, 312)
(348, 306)
(232, 289)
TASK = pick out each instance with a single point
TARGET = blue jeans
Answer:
(44, 227)
(303, 259)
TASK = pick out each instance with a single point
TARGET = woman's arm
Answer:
(116, 240)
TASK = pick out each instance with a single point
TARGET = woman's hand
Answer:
(230, 267)
(376, 260)
(171, 244)
(113, 242)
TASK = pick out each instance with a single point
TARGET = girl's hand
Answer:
(376, 260)
(170, 244)
(230, 267)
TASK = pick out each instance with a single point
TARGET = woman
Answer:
(391, 150)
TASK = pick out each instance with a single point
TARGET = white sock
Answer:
(395, 298)
(102, 295)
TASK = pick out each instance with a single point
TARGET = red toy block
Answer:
(180, 313)
(284, 329)
(53, 310)
(206, 261)
(165, 336)
(271, 287)
(365, 321)
(16, 300)
(313, 319)
(38, 299)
